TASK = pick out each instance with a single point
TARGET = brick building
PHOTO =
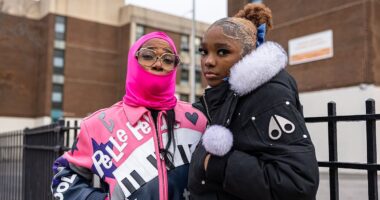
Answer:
(354, 68)
(67, 58)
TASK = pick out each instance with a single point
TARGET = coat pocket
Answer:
(281, 124)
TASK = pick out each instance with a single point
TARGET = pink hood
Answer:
(145, 89)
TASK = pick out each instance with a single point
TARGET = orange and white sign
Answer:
(310, 48)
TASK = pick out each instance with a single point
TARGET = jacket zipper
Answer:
(205, 103)
(161, 167)
(163, 163)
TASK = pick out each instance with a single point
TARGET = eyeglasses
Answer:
(148, 57)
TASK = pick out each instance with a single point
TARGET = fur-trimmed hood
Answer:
(257, 68)
(252, 71)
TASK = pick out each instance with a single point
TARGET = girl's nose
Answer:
(210, 61)
(157, 64)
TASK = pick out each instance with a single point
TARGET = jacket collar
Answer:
(134, 114)
(257, 68)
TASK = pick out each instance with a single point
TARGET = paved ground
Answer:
(351, 187)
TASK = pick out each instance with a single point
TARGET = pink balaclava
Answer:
(143, 88)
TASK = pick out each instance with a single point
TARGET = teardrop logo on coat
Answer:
(274, 130)
(286, 125)
(277, 125)
(193, 118)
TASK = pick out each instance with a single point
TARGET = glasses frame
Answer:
(176, 62)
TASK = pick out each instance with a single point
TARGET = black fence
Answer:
(26, 159)
(11, 172)
(371, 166)
(26, 156)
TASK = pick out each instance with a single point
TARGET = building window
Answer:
(60, 27)
(184, 75)
(58, 79)
(56, 97)
(60, 19)
(184, 97)
(198, 78)
(56, 114)
(184, 43)
(58, 60)
(56, 101)
(57, 70)
(57, 93)
(59, 44)
(140, 31)
(59, 36)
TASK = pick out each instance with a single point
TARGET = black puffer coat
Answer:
(272, 156)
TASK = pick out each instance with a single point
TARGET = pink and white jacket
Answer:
(120, 145)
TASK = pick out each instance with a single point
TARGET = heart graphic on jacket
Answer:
(193, 118)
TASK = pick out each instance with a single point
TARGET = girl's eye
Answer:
(168, 61)
(147, 57)
(223, 52)
(202, 51)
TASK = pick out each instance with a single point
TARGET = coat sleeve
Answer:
(72, 175)
(247, 176)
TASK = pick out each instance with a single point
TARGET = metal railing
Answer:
(42, 146)
(26, 159)
(11, 162)
(333, 164)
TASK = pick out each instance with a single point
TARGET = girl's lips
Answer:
(210, 75)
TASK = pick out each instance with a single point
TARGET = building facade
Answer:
(354, 68)
(67, 58)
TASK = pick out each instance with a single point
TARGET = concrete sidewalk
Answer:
(351, 187)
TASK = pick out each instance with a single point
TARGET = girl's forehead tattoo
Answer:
(238, 31)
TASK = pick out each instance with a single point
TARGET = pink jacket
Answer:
(120, 145)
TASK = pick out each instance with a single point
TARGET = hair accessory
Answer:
(261, 30)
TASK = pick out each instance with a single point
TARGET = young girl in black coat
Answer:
(257, 146)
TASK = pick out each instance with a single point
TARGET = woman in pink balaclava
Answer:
(140, 146)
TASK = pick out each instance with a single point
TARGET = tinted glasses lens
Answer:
(146, 57)
(168, 59)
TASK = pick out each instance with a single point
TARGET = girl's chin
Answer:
(214, 83)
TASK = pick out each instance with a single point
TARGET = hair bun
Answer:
(257, 13)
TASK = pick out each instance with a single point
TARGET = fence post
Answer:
(24, 163)
(371, 150)
(60, 137)
(333, 153)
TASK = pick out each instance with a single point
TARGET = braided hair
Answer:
(244, 25)
(167, 155)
